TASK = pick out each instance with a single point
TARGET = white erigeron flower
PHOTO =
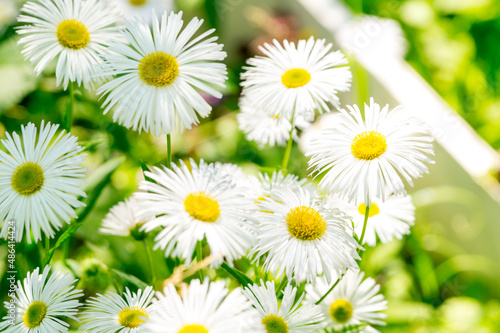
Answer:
(40, 179)
(74, 32)
(113, 313)
(206, 307)
(303, 77)
(387, 220)
(300, 237)
(291, 316)
(160, 73)
(123, 220)
(369, 157)
(353, 302)
(42, 302)
(196, 203)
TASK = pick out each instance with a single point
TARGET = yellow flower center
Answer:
(275, 324)
(202, 206)
(27, 178)
(137, 2)
(35, 314)
(193, 329)
(131, 316)
(73, 34)
(374, 210)
(305, 223)
(368, 145)
(295, 78)
(158, 69)
(341, 311)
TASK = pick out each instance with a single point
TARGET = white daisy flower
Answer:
(123, 220)
(160, 74)
(352, 303)
(299, 236)
(40, 181)
(386, 220)
(204, 307)
(302, 77)
(290, 316)
(142, 8)
(112, 313)
(73, 31)
(367, 158)
(258, 126)
(41, 303)
(195, 204)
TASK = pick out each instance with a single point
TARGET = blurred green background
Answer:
(443, 277)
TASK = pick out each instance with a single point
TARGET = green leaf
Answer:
(91, 144)
(130, 279)
(240, 276)
(62, 239)
(104, 171)
(211, 8)
(97, 182)
(145, 168)
(268, 170)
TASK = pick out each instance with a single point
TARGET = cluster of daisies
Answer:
(154, 76)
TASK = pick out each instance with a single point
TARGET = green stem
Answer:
(286, 157)
(330, 290)
(169, 151)
(68, 115)
(47, 246)
(367, 214)
(150, 261)
(240, 276)
(199, 257)
(282, 285)
(65, 251)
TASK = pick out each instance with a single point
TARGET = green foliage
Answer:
(430, 288)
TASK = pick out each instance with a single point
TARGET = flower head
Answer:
(113, 313)
(160, 73)
(291, 315)
(191, 205)
(353, 302)
(40, 179)
(301, 77)
(370, 157)
(202, 308)
(123, 220)
(73, 31)
(42, 301)
(387, 220)
(299, 236)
